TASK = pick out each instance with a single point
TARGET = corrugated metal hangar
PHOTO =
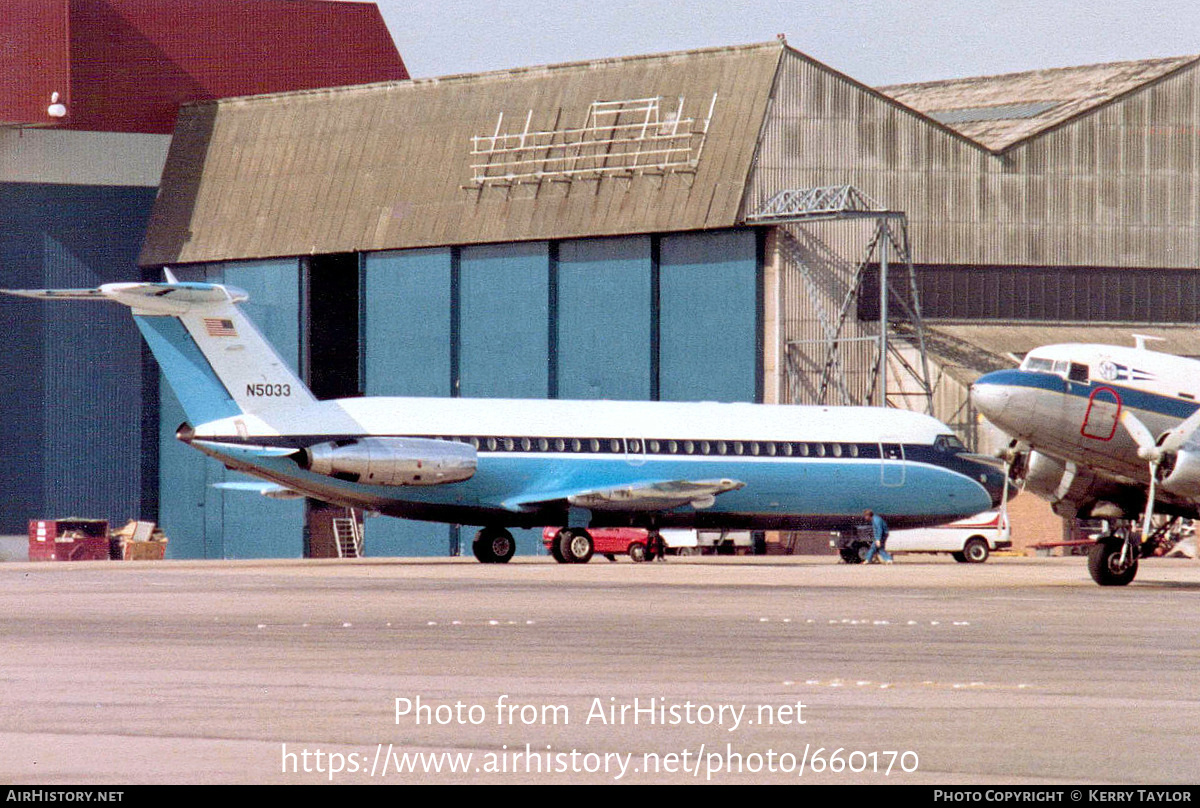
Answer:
(599, 230)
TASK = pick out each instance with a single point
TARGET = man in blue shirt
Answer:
(879, 534)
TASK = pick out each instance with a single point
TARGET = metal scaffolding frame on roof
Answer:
(839, 203)
(617, 138)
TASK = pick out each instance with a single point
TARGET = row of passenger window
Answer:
(656, 446)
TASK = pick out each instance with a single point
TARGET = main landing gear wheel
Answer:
(493, 545)
(574, 545)
(1105, 565)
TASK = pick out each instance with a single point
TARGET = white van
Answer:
(969, 540)
(708, 542)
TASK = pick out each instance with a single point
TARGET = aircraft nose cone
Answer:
(989, 472)
(990, 398)
(994, 482)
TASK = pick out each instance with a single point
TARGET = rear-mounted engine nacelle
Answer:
(391, 461)
(1180, 473)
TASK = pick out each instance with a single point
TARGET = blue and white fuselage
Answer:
(782, 467)
(502, 463)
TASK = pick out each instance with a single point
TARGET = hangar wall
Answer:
(671, 317)
(602, 291)
(1116, 186)
(71, 372)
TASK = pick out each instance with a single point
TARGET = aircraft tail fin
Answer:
(214, 358)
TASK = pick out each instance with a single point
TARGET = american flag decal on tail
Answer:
(217, 327)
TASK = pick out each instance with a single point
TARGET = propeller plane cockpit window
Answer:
(1074, 371)
(1069, 370)
(1037, 364)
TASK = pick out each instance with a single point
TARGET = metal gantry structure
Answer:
(899, 300)
(618, 138)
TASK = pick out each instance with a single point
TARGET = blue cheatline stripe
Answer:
(1130, 397)
(203, 396)
(774, 491)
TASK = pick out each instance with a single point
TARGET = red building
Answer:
(89, 93)
(127, 65)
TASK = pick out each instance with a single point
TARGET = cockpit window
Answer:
(1036, 364)
(1059, 367)
(949, 444)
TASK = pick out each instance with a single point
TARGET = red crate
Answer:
(68, 540)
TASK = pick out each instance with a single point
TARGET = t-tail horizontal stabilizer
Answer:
(216, 361)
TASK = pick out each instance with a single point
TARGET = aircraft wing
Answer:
(640, 496)
(57, 294)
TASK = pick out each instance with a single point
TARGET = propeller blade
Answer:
(1150, 501)
(1147, 446)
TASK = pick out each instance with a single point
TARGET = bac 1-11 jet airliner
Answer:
(499, 464)
(1105, 432)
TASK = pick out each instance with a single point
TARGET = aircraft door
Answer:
(1103, 411)
(635, 451)
(892, 464)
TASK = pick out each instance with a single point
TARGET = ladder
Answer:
(348, 537)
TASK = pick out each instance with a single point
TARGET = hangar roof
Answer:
(660, 143)
(1001, 111)
(608, 147)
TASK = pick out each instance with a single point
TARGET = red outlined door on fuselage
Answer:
(1103, 412)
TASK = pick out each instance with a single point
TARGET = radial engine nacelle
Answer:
(1043, 474)
(1180, 473)
(1071, 489)
(391, 461)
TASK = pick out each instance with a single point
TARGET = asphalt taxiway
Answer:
(1017, 671)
